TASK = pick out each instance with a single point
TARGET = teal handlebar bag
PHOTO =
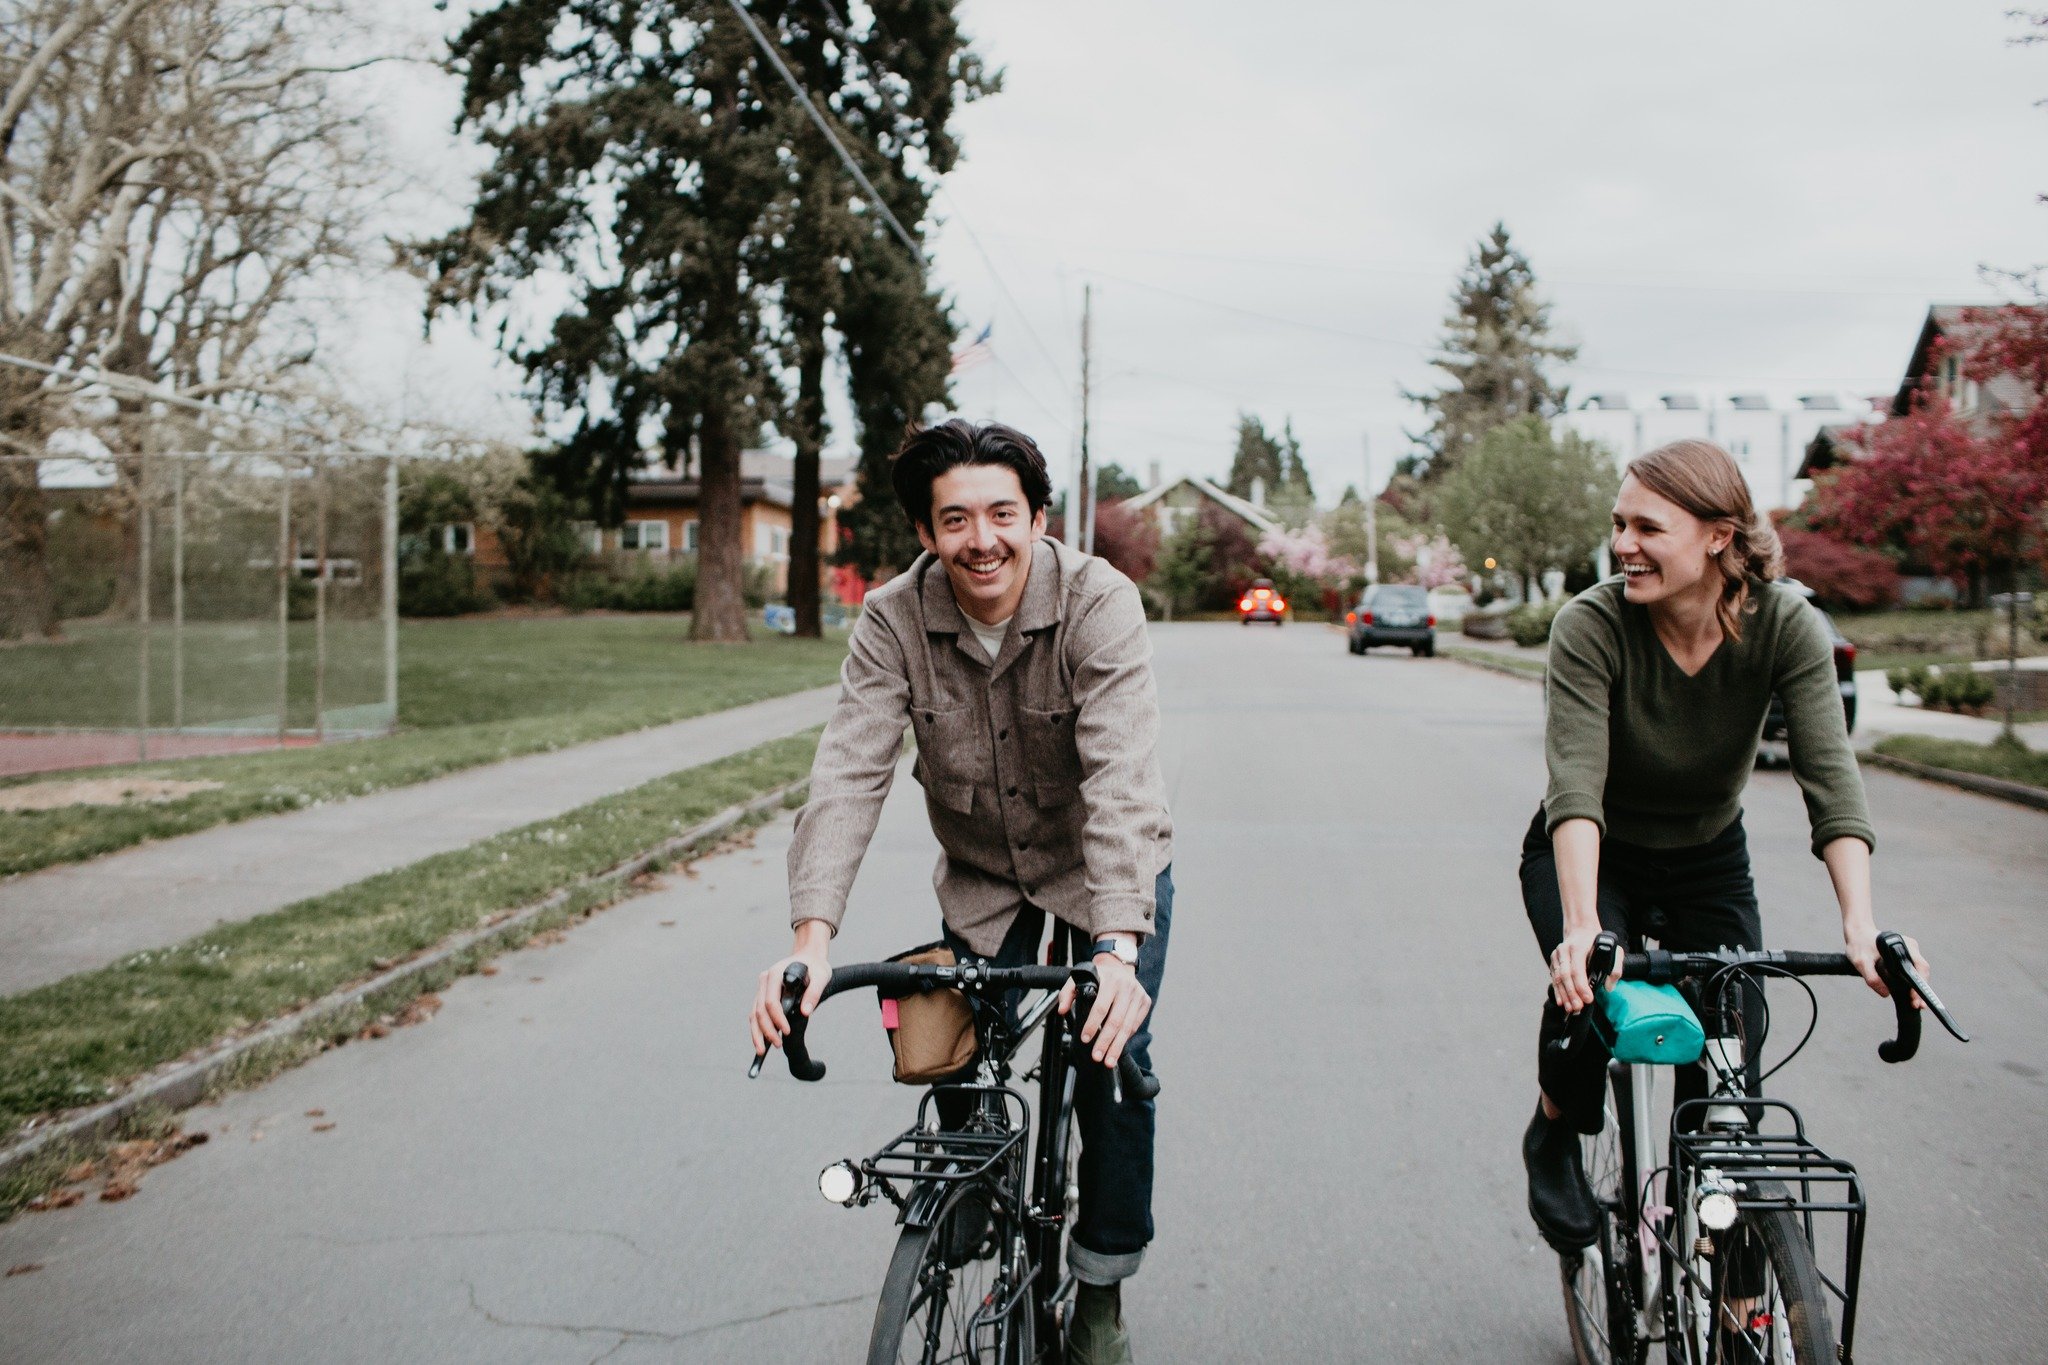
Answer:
(1650, 1025)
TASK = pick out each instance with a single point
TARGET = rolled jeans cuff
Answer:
(1102, 1268)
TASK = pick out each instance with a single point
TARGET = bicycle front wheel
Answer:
(1600, 1283)
(953, 1295)
(1758, 1298)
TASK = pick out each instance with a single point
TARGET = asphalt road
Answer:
(567, 1163)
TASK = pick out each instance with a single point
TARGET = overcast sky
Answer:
(1272, 202)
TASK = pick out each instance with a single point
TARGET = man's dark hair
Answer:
(928, 452)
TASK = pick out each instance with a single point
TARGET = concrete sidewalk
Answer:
(75, 918)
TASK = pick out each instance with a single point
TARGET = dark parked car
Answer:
(1393, 614)
(1262, 602)
(1773, 749)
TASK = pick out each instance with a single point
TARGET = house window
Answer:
(644, 535)
(771, 542)
(459, 538)
(690, 537)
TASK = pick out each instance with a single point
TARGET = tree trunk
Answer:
(721, 610)
(804, 587)
(28, 600)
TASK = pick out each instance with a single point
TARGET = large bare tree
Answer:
(176, 178)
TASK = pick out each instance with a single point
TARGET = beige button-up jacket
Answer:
(1039, 770)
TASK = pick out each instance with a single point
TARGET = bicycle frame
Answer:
(1742, 1158)
(933, 1158)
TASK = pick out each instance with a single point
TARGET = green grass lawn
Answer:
(471, 690)
(1531, 663)
(1897, 639)
(76, 1041)
(2014, 763)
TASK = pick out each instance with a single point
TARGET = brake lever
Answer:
(1128, 1080)
(1905, 981)
(795, 978)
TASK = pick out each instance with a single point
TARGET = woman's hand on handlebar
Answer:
(767, 1022)
(1861, 944)
(1568, 981)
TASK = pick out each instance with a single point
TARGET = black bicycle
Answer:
(1712, 1253)
(978, 1273)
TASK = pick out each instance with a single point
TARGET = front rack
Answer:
(929, 1152)
(1811, 1181)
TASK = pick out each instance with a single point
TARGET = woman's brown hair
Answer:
(1702, 478)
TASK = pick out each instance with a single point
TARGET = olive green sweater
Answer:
(1660, 759)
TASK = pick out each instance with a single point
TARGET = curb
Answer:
(185, 1083)
(2018, 793)
(1508, 670)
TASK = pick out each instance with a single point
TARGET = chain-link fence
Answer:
(208, 602)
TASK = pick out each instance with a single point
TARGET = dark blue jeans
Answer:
(1115, 1221)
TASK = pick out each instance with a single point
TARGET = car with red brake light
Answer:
(1262, 602)
(1393, 614)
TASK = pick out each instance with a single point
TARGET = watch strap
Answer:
(1120, 949)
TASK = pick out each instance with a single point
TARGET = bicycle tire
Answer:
(1769, 1303)
(940, 1278)
(1599, 1288)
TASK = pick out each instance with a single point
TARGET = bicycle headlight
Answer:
(1716, 1207)
(840, 1182)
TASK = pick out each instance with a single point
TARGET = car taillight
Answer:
(1431, 621)
(1365, 618)
(1244, 604)
(1262, 592)
(1845, 655)
(1279, 604)
(1351, 618)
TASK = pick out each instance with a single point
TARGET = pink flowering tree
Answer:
(1437, 562)
(1302, 565)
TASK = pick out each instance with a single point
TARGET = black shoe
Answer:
(1560, 1200)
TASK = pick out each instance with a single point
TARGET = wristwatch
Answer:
(1122, 949)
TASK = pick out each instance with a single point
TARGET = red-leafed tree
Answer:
(1964, 499)
(1840, 574)
(1126, 539)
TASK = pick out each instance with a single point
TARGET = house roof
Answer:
(1249, 512)
(2004, 392)
(1825, 449)
(765, 476)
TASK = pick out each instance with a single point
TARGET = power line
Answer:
(960, 216)
(804, 98)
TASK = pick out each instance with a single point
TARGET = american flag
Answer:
(974, 352)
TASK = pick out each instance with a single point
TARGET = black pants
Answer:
(1114, 1223)
(1689, 899)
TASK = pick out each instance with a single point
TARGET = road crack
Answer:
(627, 1335)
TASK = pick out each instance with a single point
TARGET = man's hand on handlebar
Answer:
(1121, 1008)
(767, 1023)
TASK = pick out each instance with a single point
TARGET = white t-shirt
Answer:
(991, 637)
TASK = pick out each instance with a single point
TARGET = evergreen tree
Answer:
(1258, 457)
(1496, 346)
(637, 152)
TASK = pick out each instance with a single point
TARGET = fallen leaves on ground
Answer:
(316, 1113)
(25, 1268)
(123, 1164)
(668, 924)
(323, 1127)
(488, 971)
(421, 1009)
(548, 938)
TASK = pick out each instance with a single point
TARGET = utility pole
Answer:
(1084, 510)
(1372, 517)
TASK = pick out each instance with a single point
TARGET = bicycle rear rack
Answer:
(928, 1152)
(1813, 1182)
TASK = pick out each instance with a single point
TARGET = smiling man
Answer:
(1024, 668)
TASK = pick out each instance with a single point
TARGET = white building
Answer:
(1766, 433)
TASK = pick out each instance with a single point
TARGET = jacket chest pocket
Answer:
(1051, 753)
(952, 754)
